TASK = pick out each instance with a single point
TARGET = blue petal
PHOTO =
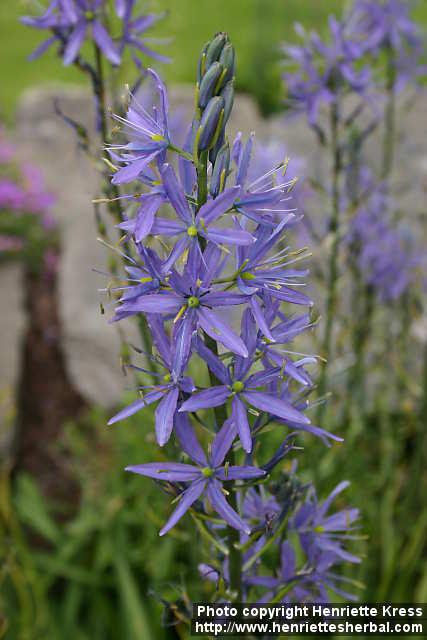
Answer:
(188, 497)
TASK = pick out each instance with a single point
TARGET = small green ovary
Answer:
(192, 231)
(246, 275)
(89, 15)
(193, 302)
(319, 529)
(167, 377)
(207, 472)
(237, 386)
(157, 137)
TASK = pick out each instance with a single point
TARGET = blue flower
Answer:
(319, 71)
(148, 136)
(70, 22)
(167, 388)
(205, 478)
(243, 388)
(191, 299)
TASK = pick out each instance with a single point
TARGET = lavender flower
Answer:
(387, 25)
(260, 272)
(193, 225)
(263, 197)
(321, 538)
(167, 387)
(207, 477)
(387, 255)
(191, 299)
(27, 225)
(22, 187)
(73, 22)
(70, 23)
(133, 29)
(320, 532)
(242, 388)
(319, 70)
(148, 135)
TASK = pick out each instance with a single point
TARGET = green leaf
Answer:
(33, 510)
(136, 614)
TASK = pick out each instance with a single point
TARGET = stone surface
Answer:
(91, 344)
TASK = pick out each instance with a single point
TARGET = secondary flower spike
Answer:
(73, 22)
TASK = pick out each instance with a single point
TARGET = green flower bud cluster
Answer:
(214, 101)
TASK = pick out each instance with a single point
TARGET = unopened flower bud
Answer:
(213, 152)
(209, 85)
(228, 94)
(220, 170)
(227, 59)
(215, 48)
(211, 123)
(201, 67)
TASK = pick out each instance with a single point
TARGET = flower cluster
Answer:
(387, 253)
(206, 242)
(307, 557)
(26, 220)
(318, 71)
(387, 26)
(322, 71)
(73, 22)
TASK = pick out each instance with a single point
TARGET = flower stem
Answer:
(362, 297)
(332, 279)
(234, 554)
(180, 152)
(389, 117)
(356, 407)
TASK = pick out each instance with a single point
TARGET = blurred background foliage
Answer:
(98, 570)
(256, 27)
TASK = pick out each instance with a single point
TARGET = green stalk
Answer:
(360, 342)
(363, 302)
(334, 231)
(356, 408)
(423, 409)
(389, 117)
(387, 469)
(234, 554)
(387, 453)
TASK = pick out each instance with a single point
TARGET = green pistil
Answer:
(193, 302)
(167, 377)
(247, 276)
(319, 529)
(207, 472)
(237, 386)
(192, 231)
(89, 15)
(157, 137)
